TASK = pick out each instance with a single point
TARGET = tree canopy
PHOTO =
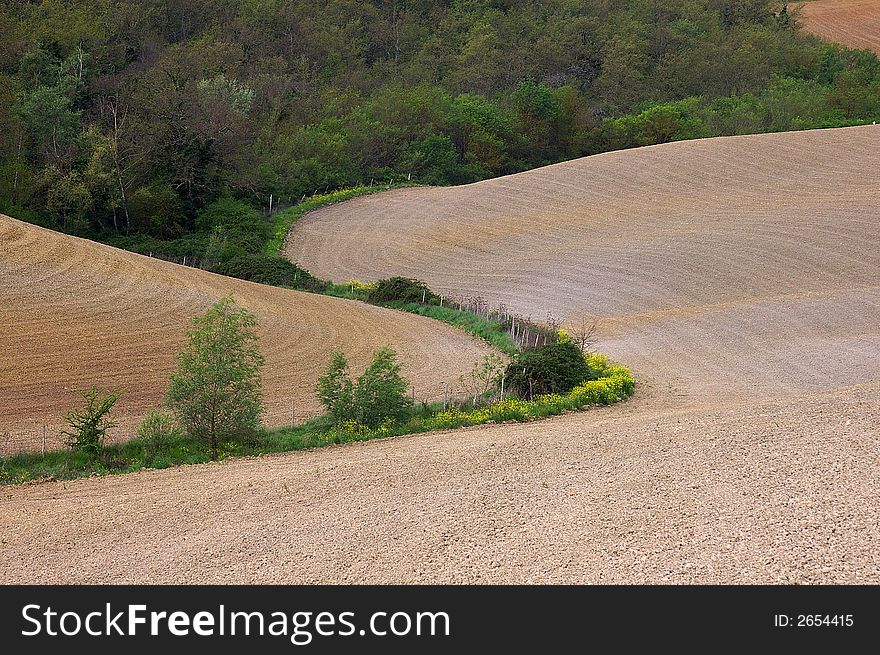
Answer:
(133, 117)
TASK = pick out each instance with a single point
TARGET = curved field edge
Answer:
(77, 313)
(614, 384)
(284, 220)
(714, 267)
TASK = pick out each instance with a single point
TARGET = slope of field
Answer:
(76, 313)
(740, 276)
(744, 494)
(746, 265)
(855, 23)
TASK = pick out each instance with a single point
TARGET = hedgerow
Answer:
(615, 383)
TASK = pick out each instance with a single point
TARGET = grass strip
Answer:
(615, 383)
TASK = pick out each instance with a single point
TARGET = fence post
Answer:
(502, 387)
(424, 292)
(43, 448)
(293, 413)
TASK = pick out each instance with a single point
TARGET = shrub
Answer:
(267, 269)
(380, 393)
(378, 397)
(335, 389)
(158, 430)
(553, 368)
(216, 391)
(238, 220)
(88, 426)
(402, 289)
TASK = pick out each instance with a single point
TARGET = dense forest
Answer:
(170, 119)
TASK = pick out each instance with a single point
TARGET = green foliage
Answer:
(378, 396)
(87, 427)
(335, 389)
(553, 368)
(216, 391)
(269, 270)
(240, 223)
(156, 210)
(402, 289)
(116, 119)
(158, 431)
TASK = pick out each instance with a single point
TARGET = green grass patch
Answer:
(614, 384)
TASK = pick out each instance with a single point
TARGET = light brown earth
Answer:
(744, 266)
(855, 23)
(76, 313)
(738, 276)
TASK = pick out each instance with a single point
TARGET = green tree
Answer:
(380, 393)
(216, 391)
(377, 396)
(335, 389)
(87, 427)
(553, 368)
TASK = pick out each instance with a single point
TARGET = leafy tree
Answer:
(87, 427)
(216, 391)
(378, 395)
(336, 390)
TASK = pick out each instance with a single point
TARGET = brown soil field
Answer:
(750, 493)
(745, 265)
(739, 277)
(76, 313)
(855, 23)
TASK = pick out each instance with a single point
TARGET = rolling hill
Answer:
(734, 265)
(855, 23)
(740, 278)
(76, 313)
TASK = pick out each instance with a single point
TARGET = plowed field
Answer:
(76, 313)
(855, 23)
(738, 276)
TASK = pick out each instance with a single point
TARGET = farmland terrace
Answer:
(738, 276)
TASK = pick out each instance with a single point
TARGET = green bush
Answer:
(158, 431)
(240, 223)
(87, 427)
(553, 368)
(267, 269)
(378, 396)
(402, 289)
